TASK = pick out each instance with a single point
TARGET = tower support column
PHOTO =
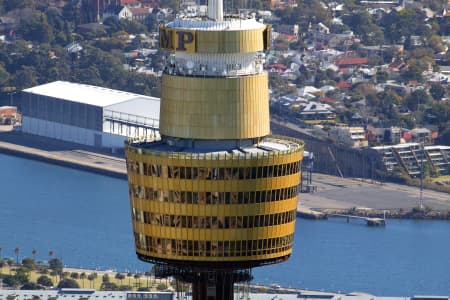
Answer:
(213, 286)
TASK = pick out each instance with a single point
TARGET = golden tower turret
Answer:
(217, 194)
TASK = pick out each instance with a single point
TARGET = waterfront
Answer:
(47, 207)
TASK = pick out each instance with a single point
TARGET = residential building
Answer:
(354, 137)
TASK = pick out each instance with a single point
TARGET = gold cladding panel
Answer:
(215, 108)
(198, 41)
(236, 41)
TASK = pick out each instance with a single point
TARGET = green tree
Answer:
(437, 91)
(435, 42)
(17, 252)
(416, 99)
(34, 252)
(44, 281)
(4, 75)
(37, 29)
(120, 276)
(137, 282)
(28, 263)
(25, 77)
(82, 277)
(91, 277)
(362, 24)
(105, 278)
(74, 275)
(55, 264)
(9, 5)
(109, 286)
(31, 286)
(403, 24)
(68, 283)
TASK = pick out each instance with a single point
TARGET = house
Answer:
(354, 137)
(117, 12)
(140, 14)
(316, 111)
(421, 135)
(348, 62)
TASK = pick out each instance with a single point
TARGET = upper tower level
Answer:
(214, 86)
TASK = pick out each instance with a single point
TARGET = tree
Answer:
(416, 99)
(25, 77)
(31, 286)
(120, 276)
(435, 42)
(147, 277)
(82, 277)
(109, 286)
(56, 265)
(74, 275)
(68, 283)
(18, 4)
(28, 263)
(44, 281)
(34, 252)
(91, 277)
(17, 252)
(137, 283)
(37, 29)
(105, 278)
(18, 279)
(437, 91)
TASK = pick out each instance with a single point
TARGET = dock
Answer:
(307, 213)
(376, 222)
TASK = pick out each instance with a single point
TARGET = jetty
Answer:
(308, 213)
(369, 221)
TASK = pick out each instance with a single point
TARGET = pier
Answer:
(307, 213)
(369, 221)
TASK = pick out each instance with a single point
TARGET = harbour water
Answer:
(85, 219)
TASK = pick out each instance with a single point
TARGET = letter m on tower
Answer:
(165, 38)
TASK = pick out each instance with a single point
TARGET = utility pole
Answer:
(421, 176)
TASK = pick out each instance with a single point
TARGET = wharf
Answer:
(369, 221)
(307, 213)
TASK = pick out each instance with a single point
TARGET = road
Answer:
(344, 193)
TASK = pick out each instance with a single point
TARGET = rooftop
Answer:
(86, 94)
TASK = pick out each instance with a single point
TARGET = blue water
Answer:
(85, 219)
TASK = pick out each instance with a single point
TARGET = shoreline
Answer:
(87, 159)
(62, 154)
(61, 162)
(401, 214)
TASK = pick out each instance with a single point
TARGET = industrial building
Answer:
(88, 115)
(216, 195)
(82, 294)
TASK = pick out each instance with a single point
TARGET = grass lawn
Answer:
(143, 281)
